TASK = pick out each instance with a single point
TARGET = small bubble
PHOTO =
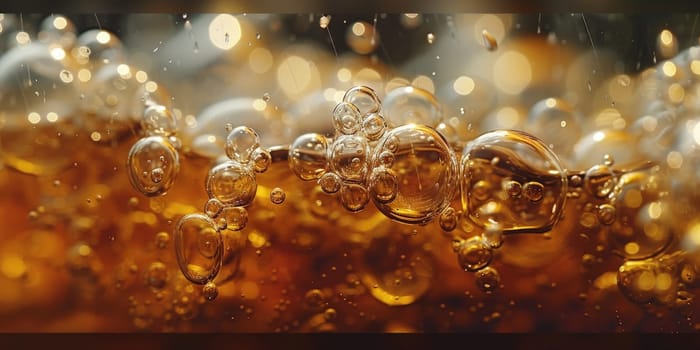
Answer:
(599, 181)
(277, 195)
(384, 186)
(258, 36)
(213, 207)
(386, 159)
(236, 218)
(232, 184)
(354, 197)
(534, 191)
(314, 299)
(162, 240)
(364, 98)
(374, 126)
(473, 254)
(606, 214)
(329, 314)
(346, 118)
(210, 291)
(488, 279)
(330, 183)
(448, 219)
(608, 159)
(481, 190)
(157, 175)
(145, 175)
(266, 97)
(307, 156)
(261, 160)
(430, 37)
(489, 41)
(56, 183)
(157, 275)
(228, 127)
(513, 188)
(241, 142)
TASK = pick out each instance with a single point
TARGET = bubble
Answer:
(307, 156)
(231, 183)
(152, 165)
(314, 299)
(588, 149)
(261, 160)
(210, 291)
(430, 37)
(354, 197)
(198, 247)
(513, 188)
(346, 118)
(489, 41)
(606, 214)
(488, 279)
(410, 104)
(648, 281)
(364, 98)
(157, 120)
(236, 218)
(373, 126)
(473, 254)
(448, 219)
(277, 195)
(213, 208)
(556, 121)
(329, 314)
(241, 142)
(534, 191)
(349, 157)
(162, 240)
(157, 275)
(330, 182)
(502, 156)
(383, 186)
(386, 158)
(425, 169)
(599, 181)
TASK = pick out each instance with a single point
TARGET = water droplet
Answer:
(354, 197)
(448, 219)
(213, 208)
(430, 37)
(410, 104)
(522, 158)
(277, 195)
(488, 279)
(307, 156)
(210, 291)
(149, 174)
(606, 214)
(157, 275)
(383, 186)
(240, 143)
(330, 183)
(599, 181)
(374, 126)
(236, 218)
(349, 157)
(232, 184)
(534, 191)
(425, 169)
(198, 247)
(346, 118)
(261, 160)
(489, 41)
(473, 254)
(364, 98)
(158, 120)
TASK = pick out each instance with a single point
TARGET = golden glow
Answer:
(13, 266)
(103, 37)
(598, 136)
(294, 75)
(151, 86)
(51, 117)
(366, 75)
(507, 117)
(696, 133)
(633, 198)
(329, 94)
(424, 83)
(84, 75)
(550, 102)
(344, 75)
(260, 60)
(60, 23)
(512, 72)
(358, 28)
(34, 118)
(57, 53)
(256, 239)
(141, 76)
(676, 93)
(655, 209)
(666, 37)
(669, 68)
(259, 104)
(463, 85)
(632, 248)
(22, 38)
(663, 281)
(694, 234)
(224, 31)
(695, 67)
(674, 159)
(124, 71)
